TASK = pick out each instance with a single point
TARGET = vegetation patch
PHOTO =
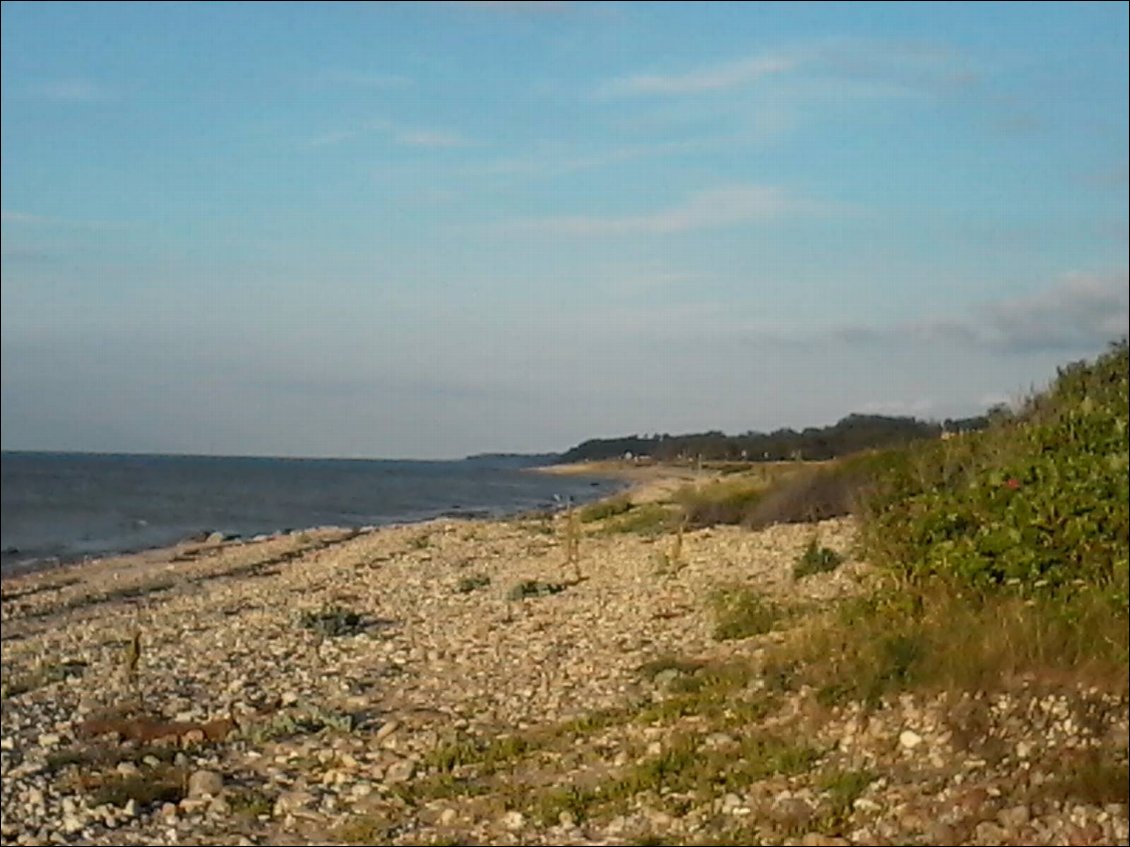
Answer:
(468, 584)
(334, 621)
(43, 674)
(607, 508)
(741, 612)
(535, 588)
(816, 559)
(158, 785)
(726, 502)
(645, 519)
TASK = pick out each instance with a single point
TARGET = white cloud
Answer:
(406, 136)
(428, 138)
(1080, 312)
(711, 209)
(840, 67)
(1083, 309)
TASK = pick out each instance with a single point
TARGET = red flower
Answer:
(1012, 483)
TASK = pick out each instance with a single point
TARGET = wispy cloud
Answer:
(405, 136)
(857, 66)
(428, 138)
(75, 90)
(707, 78)
(551, 161)
(710, 209)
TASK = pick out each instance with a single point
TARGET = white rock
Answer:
(909, 739)
(205, 782)
(513, 820)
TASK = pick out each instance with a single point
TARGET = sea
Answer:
(63, 507)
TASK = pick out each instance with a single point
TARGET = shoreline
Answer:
(451, 681)
(207, 538)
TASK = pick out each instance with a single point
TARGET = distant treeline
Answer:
(850, 435)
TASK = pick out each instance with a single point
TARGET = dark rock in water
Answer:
(474, 514)
(11, 551)
(199, 537)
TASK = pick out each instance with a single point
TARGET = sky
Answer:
(427, 230)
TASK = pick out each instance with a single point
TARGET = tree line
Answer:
(848, 435)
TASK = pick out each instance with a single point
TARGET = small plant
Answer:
(333, 621)
(741, 612)
(607, 508)
(166, 785)
(249, 802)
(468, 584)
(420, 542)
(573, 542)
(645, 519)
(816, 559)
(535, 588)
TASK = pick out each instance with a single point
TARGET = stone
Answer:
(387, 729)
(908, 739)
(205, 782)
(1014, 817)
(816, 839)
(49, 739)
(448, 816)
(295, 803)
(513, 820)
(400, 771)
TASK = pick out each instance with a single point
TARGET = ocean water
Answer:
(59, 507)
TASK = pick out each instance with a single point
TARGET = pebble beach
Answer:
(441, 682)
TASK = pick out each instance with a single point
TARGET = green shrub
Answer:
(1037, 502)
(828, 491)
(726, 502)
(646, 519)
(607, 508)
(741, 612)
(468, 584)
(816, 559)
(333, 621)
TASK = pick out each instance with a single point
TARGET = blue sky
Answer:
(427, 230)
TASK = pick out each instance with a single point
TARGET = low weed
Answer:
(645, 519)
(468, 584)
(608, 508)
(333, 621)
(816, 559)
(535, 588)
(741, 612)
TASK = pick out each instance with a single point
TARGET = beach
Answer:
(442, 682)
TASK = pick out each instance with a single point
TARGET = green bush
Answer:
(726, 502)
(816, 559)
(606, 508)
(741, 612)
(468, 584)
(646, 519)
(1037, 502)
(333, 621)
